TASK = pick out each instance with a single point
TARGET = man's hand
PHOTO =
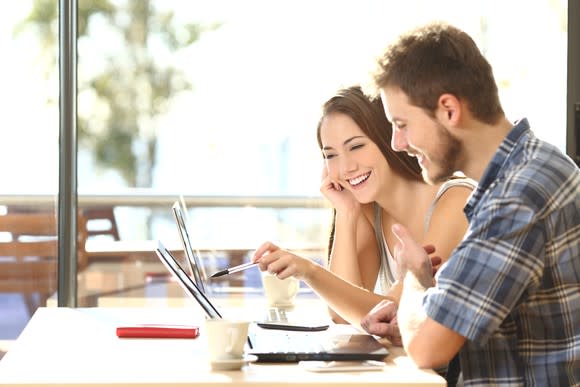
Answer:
(382, 321)
(435, 259)
(413, 257)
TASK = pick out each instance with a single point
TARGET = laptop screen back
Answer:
(185, 281)
(193, 259)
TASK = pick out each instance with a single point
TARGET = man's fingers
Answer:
(436, 260)
(376, 328)
(401, 233)
(389, 331)
(429, 249)
(396, 340)
(380, 320)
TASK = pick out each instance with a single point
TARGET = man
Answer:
(508, 299)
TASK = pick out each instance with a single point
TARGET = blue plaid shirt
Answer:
(512, 286)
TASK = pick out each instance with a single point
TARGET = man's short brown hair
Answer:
(436, 59)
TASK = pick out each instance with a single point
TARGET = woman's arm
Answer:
(350, 301)
(354, 256)
(448, 223)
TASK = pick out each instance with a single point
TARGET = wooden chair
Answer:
(28, 255)
(105, 217)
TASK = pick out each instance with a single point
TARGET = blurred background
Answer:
(216, 102)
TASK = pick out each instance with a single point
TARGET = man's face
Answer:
(422, 136)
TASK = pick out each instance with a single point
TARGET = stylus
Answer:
(234, 269)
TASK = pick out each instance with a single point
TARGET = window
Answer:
(221, 98)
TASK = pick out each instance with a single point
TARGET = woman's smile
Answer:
(354, 182)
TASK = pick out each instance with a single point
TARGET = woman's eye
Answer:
(329, 156)
(355, 147)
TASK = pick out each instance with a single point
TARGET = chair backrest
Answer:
(28, 251)
(28, 234)
(101, 221)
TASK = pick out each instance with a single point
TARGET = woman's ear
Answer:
(449, 109)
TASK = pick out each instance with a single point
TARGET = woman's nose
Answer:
(347, 164)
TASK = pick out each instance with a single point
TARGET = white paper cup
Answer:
(226, 339)
(280, 293)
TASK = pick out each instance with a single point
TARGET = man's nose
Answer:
(399, 141)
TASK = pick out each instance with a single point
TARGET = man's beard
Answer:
(444, 165)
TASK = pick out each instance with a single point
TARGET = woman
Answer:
(371, 187)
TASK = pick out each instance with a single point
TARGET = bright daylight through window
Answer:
(221, 99)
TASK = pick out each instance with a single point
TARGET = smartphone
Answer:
(282, 319)
(342, 366)
(286, 326)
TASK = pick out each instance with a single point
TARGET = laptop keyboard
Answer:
(272, 345)
(288, 342)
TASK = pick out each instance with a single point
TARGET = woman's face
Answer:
(352, 159)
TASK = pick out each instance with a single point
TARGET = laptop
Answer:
(284, 346)
(193, 259)
(274, 318)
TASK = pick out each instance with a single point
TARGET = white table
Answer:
(79, 346)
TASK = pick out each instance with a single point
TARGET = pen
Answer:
(234, 269)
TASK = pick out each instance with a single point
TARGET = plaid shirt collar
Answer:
(497, 163)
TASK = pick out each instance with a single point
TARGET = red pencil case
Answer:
(160, 331)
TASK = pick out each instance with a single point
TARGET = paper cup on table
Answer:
(280, 293)
(226, 340)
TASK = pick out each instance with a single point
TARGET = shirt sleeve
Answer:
(499, 260)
